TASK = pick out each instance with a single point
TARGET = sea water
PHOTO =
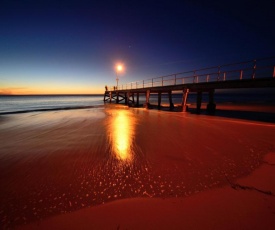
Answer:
(14, 104)
(19, 104)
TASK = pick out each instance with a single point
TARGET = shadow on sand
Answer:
(262, 116)
(239, 114)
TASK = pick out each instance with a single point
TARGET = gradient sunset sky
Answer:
(72, 47)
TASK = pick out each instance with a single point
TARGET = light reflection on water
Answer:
(121, 132)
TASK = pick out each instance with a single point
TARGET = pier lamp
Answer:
(119, 68)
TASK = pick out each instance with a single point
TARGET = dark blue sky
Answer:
(72, 46)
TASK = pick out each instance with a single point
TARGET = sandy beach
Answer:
(130, 168)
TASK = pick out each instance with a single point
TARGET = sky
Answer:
(72, 47)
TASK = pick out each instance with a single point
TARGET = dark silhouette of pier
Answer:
(258, 73)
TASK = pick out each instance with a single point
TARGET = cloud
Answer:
(5, 92)
(11, 91)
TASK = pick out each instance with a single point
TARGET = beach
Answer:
(115, 167)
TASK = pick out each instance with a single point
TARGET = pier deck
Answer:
(252, 74)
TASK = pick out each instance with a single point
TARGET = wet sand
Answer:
(249, 203)
(127, 168)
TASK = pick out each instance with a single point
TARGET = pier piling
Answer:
(199, 99)
(137, 100)
(184, 100)
(147, 99)
(170, 100)
(117, 97)
(159, 100)
(126, 98)
(211, 106)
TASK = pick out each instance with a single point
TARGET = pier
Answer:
(252, 74)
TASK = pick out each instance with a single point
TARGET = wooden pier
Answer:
(251, 74)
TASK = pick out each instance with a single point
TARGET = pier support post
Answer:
(199, 99)
(184, 100)
(117, 97)
(211, 106)
(137, 99)
(170, 100)
(105, 96)
(159, 100)
(147, 104)
(111, 97)
(126, 98)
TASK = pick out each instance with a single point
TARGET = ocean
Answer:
(34, 103)
(20, 104)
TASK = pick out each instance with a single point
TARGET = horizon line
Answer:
(67, 94)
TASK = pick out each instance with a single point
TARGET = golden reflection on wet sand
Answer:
(121, 133)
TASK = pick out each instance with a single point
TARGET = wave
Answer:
(50, 109)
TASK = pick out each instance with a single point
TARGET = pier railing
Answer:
(259, 68)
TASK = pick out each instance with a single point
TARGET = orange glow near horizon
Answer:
(49, 89)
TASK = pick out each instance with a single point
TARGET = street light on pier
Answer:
(119, 68)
